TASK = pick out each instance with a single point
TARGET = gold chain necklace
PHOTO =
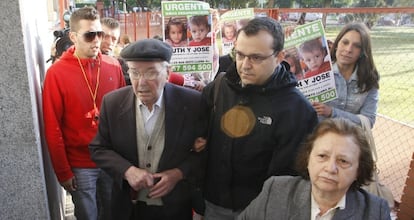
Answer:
(94, 113)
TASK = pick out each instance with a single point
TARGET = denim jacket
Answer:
(350, 101)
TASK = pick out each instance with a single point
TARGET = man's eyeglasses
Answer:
(255, 58)
(135, 75)
(91, 35)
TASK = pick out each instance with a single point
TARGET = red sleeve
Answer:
(52, 116)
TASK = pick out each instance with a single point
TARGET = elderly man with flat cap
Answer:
(145, 138)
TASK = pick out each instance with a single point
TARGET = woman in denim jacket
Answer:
(356, 77)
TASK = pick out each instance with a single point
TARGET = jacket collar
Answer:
(69, 55)
(281, 78)
(352, 205)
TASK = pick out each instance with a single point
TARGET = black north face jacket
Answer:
(237, 167)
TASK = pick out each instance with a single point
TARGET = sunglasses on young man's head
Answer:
(91, 35)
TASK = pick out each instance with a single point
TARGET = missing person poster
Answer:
(230, 23)
(307, 52)
(187, 27)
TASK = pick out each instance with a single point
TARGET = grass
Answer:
(393, 50)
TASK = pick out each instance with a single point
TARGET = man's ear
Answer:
(280, 56)
(72, 36)
(169, 70)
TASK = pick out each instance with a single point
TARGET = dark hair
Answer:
(200, 20)
(367, 73)
(62, 44)
(110, 23)
(341, 127)
(85, 13)
(158, 37)
(125, 39)
(177, 22)
(267, 24)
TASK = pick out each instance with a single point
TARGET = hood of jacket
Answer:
(69, 56)
(281, 78)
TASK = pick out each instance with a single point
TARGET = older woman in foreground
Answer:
(334, 162)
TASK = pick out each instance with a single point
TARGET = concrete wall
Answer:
(28, 188)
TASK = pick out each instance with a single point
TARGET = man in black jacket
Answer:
(258, 121)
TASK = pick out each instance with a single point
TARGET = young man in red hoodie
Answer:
(72, 95)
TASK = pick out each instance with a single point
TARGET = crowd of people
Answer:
(248, 146)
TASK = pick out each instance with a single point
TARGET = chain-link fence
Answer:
(392, 37)
(392, 32)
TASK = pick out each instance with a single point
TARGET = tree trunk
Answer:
(271, 4)
(326, 4)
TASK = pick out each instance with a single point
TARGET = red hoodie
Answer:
(66, 103)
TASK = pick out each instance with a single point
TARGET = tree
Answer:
(271, 4)
(280, 4)
(370, 3)
(310, 3)
(215, 3)
(403, 3)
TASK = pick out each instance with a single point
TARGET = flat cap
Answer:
(147, 50)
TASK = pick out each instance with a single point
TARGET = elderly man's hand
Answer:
(138, 178)
(167, 181)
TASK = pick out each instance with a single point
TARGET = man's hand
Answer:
(199, 144)
(167, 182)
(289, 30)
(70, 184)
(138, 178)
(199, 86)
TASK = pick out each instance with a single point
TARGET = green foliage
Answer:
(131, 3)
(234, 4)
(217, 3)
(311, 3)
(403, 3)
(283, 4)
(107, 3)
(341, 3)
(370, 3)
(134, 3)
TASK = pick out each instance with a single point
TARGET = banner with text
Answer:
(230, 23)
(307, 52)
(187, 28)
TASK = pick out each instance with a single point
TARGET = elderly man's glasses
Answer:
(254, 58)
(91, 35)
(152, 75)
